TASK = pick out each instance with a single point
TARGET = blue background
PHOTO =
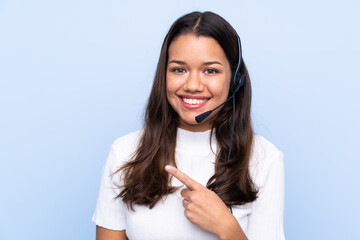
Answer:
(75, 75)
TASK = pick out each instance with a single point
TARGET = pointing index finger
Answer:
(182, 177)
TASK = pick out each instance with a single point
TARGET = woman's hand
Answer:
(204, 208)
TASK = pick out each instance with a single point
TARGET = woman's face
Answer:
(197, 79)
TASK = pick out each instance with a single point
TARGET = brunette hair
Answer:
(145, 181)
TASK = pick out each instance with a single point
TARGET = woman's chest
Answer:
(166, 220)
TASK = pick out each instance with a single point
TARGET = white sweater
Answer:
(260, 220)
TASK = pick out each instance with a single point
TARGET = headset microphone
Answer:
(238, 81)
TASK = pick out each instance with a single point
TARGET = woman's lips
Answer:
(193, 102)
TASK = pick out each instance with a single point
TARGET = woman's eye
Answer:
(178, 70)
(211, 71)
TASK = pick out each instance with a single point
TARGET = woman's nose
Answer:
(194, 83)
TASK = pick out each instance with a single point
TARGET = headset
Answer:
(237, 81)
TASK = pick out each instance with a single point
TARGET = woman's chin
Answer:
(192, 125)
(189, 120)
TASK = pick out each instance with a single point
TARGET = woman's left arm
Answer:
(266, 218)
(198, 200)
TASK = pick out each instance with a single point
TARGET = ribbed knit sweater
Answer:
(260, 220)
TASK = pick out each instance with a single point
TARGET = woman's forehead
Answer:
(191, 48)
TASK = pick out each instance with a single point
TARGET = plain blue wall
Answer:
(75, 75)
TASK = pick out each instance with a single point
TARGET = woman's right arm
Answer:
(107, 234)
(109, 215)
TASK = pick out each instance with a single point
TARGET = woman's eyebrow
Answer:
(178, 62)
(210, 63)
(184, 63)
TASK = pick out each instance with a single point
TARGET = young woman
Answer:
(182, 178)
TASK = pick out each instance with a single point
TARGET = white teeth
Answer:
(193, 101)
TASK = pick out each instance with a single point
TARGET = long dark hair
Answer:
(145, 181)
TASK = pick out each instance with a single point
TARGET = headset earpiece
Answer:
(239, 80)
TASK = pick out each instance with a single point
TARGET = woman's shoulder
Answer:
(128, 139)
(262, 146)
(124, 146)
(265, 156)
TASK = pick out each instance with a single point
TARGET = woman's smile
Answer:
(193, 102)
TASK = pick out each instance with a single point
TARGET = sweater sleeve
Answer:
(266, 219)
(109, 212)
